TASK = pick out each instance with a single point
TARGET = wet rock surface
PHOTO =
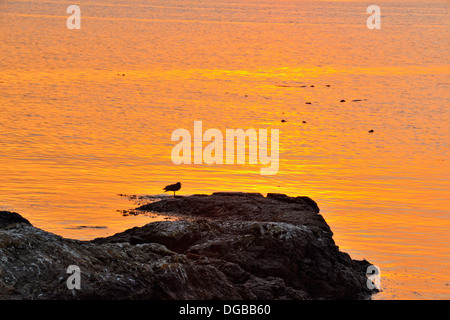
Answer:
(224, 246)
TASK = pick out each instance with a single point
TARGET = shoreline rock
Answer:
(225, 246)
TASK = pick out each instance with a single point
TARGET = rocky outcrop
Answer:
(8, 218)
(223, 246)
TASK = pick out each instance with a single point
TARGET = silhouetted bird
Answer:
(173, 187)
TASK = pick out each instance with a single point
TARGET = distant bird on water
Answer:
(173, 187)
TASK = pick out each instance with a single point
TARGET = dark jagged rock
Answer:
(224, 246)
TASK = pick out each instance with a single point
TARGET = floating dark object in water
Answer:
(288, 86)
(370, 131)
(123, 74)
(283, 120)
(303, 121)
(356, 100)
(173, 187)
(342, 100)
(312, 86)
(308, 102)
(327, 85)
(246, 96)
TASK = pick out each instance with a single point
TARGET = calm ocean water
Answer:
(88, 114)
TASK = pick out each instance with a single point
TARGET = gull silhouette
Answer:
(173, 187)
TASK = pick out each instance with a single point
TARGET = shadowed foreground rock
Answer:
(226, 246)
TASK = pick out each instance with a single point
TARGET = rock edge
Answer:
(224, 246)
